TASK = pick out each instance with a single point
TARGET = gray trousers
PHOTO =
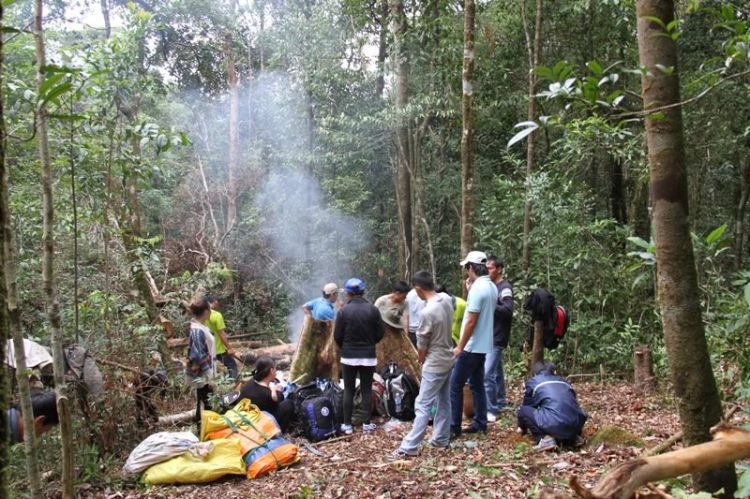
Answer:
(434, 390)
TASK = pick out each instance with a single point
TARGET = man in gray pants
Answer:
(435, 347)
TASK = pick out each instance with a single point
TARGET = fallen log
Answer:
(183, 342)
(668, 443)
(276, 352)
(181, 417)
(730, 444)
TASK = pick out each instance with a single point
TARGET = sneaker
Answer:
(440, 447)
(491, 418)
(520, 431)
(473, 429)
(368, 427)
(546, 443)
(398, 455)
(455, 433)
(347, 429)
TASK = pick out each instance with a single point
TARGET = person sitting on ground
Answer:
(215, 323)
(264, 390)
(550, 410)
(393, 307)
(44, 409)
(435, 347)
(459, 309)
(201, 366)
(358, 329)
(323, 308)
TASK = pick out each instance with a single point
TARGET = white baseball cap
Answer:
(475, 257)
(331, 288)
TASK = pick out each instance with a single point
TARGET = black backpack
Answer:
(316, 413)
(556, 331)
(335, 394)
(401, 390)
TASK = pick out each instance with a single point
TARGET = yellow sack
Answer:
(226, 459)
(213, 421)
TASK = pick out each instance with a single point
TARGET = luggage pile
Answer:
(242, 441)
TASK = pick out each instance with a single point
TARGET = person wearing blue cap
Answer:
(358, 329)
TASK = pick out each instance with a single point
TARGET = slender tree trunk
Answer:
(107, 22)
(234, 128)
(4, 379)
(640, 225)
(698, 400)
(531, 115)
(537, 351)
(617, 193)
(382, 48)
(739, 218)
(398, 26)
(74, 201)
(467, 137)
(14, 314)
(52, 305)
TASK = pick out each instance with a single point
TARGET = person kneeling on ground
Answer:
(435, 346)
(550, 410)
(358, 329)
(44, 409)
(264, 391)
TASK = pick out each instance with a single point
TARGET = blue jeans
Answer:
(468, 367)
(494, 381)
(434, 390)
(230, 364)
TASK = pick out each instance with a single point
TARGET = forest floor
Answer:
(500, 464)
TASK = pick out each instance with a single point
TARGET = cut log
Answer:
(730, 444)
(317, 355)
(397, 347)
(644, 378)
(183, 342)
(276, 352)
(182, 417)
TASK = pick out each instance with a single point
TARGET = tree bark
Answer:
(533, 53)
(14, 314)
(643, 368)
(234, 127)
(739, 218)
(52, 305)
(4, 388)
(697, 396)
(382, 48)
(537, 351)
(467, 136)
(107, 22)
(398, 26)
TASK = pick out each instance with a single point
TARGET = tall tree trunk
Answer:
(533, 52)
(14, 314)
(398, 26)
(107, 22)
(617, 192)
(234, 127)
(739, 217)
(4, 388)
(640, 224)
(52, 305)
(467, 137)
(382, 48)
(698, 400)
(71, 149)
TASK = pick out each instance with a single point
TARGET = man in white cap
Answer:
(323, 308)
(475, 343)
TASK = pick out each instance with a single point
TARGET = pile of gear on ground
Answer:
(247, 441)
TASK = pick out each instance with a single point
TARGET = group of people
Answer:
(457, 342)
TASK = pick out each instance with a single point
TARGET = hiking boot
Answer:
(491, 418)
(398, 455)
(455, 433)
(368, 427)
(473, 429)
(546, 443)
(347, 429)
(440, 447)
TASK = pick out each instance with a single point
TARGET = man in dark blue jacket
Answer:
(550, 410)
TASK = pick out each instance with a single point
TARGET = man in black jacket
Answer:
(358, 329)
(494, 377)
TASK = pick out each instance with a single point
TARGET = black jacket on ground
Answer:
(358, 329)
(503, 317)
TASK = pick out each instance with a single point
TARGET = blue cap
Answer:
(354, 286)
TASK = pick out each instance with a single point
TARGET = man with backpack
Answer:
(475, 344)
(435, 345)
(494, 377)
